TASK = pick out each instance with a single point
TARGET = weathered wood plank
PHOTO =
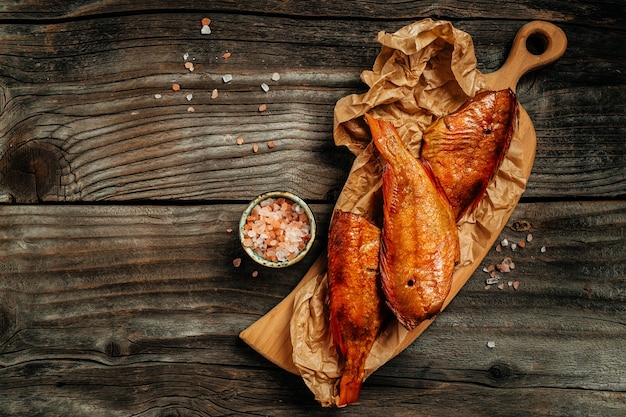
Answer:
(80, 121)
(606, 13)
(118, 310)
(119, 47)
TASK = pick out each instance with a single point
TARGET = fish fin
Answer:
(336, 335)
(385, 282)
(431, 175)
(388, 287)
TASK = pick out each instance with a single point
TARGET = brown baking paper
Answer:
(424, 71)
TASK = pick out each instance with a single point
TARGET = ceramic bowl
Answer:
(294, 256)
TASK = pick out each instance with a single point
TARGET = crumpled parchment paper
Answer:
(424, 71)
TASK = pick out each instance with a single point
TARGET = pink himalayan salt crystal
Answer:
(277, 229)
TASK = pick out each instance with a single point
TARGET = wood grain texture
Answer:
(136, 310)
(605, 13)
(124, 299)
(81, 121)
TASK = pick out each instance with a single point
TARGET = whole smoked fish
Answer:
(466, 148)
(420, 242)
(357, 308)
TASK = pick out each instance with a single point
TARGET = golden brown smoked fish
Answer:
(420, 242)
(466, 148)
(356, 301)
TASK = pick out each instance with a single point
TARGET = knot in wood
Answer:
(500, 372)
(32, 172)
(116, 349)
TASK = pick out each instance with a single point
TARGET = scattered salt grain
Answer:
(491, 344)
(265, 87)
(237, 262)
(185, 56)
(157, 96)
(543, 249)
(515, 285)
(206, 30)
(513, 246)
(214, 93)
(498, 248)
(492, 280)
(227, 78)
(509, 262)
(229, 230)
(277, 229)
(191, 109)
(255, 148)
(275, 76)
(240, 141)
(529, 238)
(189, 97)
(504, 243)
(501, 286)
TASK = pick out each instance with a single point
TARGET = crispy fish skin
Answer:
(357, 308)
(420, 242)
(466, 147)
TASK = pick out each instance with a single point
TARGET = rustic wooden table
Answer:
(118, 293)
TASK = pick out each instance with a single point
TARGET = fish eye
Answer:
(410, 283)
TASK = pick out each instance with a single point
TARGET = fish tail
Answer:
(373, 124)
(349, 390)
(385, 137)
(352, 377)
(375, 128)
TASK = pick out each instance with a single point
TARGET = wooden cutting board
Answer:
(270, 335)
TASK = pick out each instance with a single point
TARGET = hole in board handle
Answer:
(537, 43)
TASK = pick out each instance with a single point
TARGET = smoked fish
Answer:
(420, 242)
(357, 309)
(466, 147)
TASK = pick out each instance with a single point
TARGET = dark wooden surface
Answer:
(118, 295)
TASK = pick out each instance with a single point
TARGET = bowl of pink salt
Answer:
(277, 229)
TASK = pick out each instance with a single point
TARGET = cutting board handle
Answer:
(521, 61)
